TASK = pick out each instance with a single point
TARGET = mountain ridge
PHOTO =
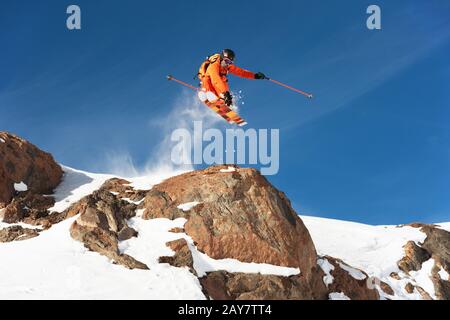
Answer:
(223, 232)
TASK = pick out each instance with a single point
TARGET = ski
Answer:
(231, 116)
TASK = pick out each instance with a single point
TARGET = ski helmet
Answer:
(228, 53)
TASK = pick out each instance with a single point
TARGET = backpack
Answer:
(211, 59)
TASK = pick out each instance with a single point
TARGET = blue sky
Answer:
(373, 146)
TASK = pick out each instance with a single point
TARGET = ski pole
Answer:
(309, 95)
(169, 77)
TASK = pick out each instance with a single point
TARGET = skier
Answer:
(213, 76)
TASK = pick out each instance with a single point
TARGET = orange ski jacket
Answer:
(213, 73)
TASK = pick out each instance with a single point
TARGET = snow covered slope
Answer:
(374, 249)
(55, 266)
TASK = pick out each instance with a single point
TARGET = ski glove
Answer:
(260, 76)
(227, 98)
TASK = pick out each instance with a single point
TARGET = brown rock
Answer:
(240, 215)
(182, 257)
(122, 189)
(103, 210)
(425, 295)
(436, 246)
(386, 288)
(414, 257)
(126, 233)
(13, 213)
(102, 223)
(409, 288)
(415, 225)
(28, 207)
(177, 230)
(105, 243)
(394, 275)
(16, 233)
(353, 288)
(221, 285)
(21, 161)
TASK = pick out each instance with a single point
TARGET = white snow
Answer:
(337, 296)
(140, 213)
(204, 264)
(229, 169)
(355, 273)
(154, 177)
(422, 277)
(132, 201)
(20, 187)
(444, 226)
(187, 206)
(2, 140)
(75, 185)
(54, 266)
(444, 274)
(374, 249)
(151, 244)
(327, 267)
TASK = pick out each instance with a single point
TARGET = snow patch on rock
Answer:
(444, 226)
(327, 267)
(355, 273)
(20, 187)
(444, 274)
(188, 205)
(152, 178)
(151, 244)
(229, 169)
(337, 296)
(423, 277)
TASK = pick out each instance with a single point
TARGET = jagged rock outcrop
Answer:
(240, 215)
(436, 246)
(414, 257)
(28, 207)
(351, 281)
(102, 223)
(21, 161)
(122, 189)
(17, 233)
(182, 257)
(222, 285)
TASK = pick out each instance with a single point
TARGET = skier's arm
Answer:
(216, 80)
(241, 72)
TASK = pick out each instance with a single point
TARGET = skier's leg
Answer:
(206, 86)
(209, 90)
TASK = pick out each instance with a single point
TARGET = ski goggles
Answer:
(227, 61)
